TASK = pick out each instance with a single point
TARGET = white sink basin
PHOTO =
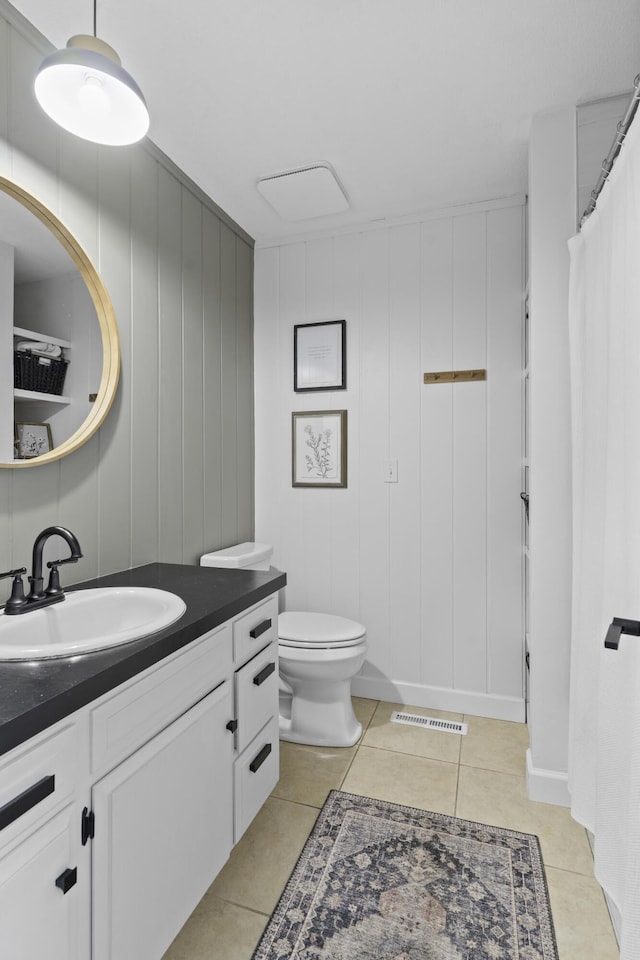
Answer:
(88, 620)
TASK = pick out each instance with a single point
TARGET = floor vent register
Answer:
(430, 723)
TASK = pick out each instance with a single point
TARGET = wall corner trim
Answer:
(547, 786)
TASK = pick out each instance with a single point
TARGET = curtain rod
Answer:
(621, 132)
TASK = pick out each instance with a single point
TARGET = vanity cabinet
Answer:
(256, 685)
(42, 903)
(154, 783)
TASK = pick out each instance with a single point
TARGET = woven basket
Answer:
(40, 374)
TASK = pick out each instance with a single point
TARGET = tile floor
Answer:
(480, 776)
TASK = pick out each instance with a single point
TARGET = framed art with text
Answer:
(320, 356)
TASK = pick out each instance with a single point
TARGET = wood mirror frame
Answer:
(106, 320)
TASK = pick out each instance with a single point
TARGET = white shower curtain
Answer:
(604, 316)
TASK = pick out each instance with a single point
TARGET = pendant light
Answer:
(85, 90)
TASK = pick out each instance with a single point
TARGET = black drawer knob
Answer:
(260, 758)
(67, 879)
(260, 629)
(264, 674)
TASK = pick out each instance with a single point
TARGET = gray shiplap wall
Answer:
(170, 473)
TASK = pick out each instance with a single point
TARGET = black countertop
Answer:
(36, 694)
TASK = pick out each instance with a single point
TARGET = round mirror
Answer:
(59, 349)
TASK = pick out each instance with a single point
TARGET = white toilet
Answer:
(319, 655)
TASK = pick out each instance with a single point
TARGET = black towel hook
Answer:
(617, 627)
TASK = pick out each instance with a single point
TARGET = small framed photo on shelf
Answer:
(320, 356)
(319, 448)
(32, 440)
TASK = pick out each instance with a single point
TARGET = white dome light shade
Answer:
(85, 90)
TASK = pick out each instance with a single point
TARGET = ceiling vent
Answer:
(312, 191)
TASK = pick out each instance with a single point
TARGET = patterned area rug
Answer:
(379, 881)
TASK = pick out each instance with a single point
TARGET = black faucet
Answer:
(37, 596)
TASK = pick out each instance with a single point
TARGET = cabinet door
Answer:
(163, 830)
(38, 918)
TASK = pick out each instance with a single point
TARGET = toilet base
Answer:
(318, 681)
(319, 724)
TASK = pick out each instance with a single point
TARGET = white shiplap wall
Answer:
(431, 565)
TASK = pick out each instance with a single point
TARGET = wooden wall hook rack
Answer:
(455, 376)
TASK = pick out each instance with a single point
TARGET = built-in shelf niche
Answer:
(34, 395)
(23, 334)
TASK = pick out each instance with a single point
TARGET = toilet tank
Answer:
(245, 556)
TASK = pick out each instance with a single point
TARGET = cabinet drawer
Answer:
(255, 630)
(122, 723)
(256, 689)
(256, 773)
(35, 780)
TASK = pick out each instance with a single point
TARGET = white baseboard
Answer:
(547, 786)
(440, 698)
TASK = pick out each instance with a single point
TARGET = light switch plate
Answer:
(391, 471)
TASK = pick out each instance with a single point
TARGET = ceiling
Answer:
(417, 104)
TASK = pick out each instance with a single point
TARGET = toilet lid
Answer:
(318, 629)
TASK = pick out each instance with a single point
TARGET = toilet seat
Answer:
(316, 630)
(318, 657)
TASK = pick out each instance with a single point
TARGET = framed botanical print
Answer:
(319, 448)
(32, 440)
